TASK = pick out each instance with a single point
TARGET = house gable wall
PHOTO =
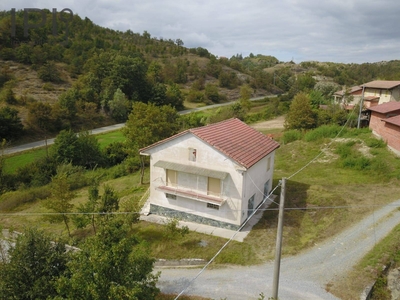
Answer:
(177, 150)
(384, 94)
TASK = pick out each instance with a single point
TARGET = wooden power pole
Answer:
(278, 251)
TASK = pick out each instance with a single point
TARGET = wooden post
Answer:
(279, 242)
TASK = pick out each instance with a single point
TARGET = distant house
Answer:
(385, 123)
(382, 91)
(348, 97)
(375, 92)
(215, 175)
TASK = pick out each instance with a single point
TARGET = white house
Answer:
(215, 175)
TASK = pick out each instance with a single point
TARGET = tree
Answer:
(10, 124)
(35, 263)
(148, 124)
(211, 92)
(111, 265)
(60, 201)
(300, 115)
(40, 118)
(89, 209)
(79, 150)
(174, 96)
(49, 72)
(119, 106)
(109, 202)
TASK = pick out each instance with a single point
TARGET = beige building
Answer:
(375, 92)
(381, 91)
(215, 175)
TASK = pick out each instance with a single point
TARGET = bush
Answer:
(49, 72)
(291, 136)
(325, 131)
(375, 143)
(115, 153)
(12, 200)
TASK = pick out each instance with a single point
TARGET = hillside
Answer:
(87, 75)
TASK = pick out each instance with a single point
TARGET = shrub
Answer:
(324, 131)
(291, 136)
(12, 200)
(375, 143)
(49, 72)
(115, 153)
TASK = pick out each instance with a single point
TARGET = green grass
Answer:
(105, 139)
(346, 195)
(15, 161)
(369, 268)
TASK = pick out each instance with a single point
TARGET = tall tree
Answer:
(301, 115)
(148, 124)
(10, 123)
(60, 201)
(35, 263)
(110, 265)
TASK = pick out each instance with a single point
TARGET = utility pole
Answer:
(361, 105)
(278, 251)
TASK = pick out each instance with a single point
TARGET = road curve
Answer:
(303, 276)
(39, 144)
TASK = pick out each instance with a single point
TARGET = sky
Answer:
(342, 31)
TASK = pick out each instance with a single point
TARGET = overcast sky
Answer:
(300, 30)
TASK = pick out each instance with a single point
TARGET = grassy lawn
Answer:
(15, 161)
(325, 197)
(324, 183)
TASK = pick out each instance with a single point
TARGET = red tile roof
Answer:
(235, 139)
(351, 90)
(386, 107)
(393, 120)
(382, 84)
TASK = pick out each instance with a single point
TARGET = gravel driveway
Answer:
(303, 276)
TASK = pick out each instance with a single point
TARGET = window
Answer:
(172, 178)
(266, 189)
(250, 206)
(192, 154)
(170, 196)
(213, 206)
(268, 163)
(214, 187)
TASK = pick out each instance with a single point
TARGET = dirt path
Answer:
(304, 276)
(270, 124)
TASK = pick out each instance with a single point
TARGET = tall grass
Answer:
(324, 131)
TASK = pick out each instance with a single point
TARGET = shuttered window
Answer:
(172, 178)
(214, 187)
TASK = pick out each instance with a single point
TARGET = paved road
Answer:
(38, 144)
(302, 277)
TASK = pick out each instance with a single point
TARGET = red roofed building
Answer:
(385, 123)
(215, 175)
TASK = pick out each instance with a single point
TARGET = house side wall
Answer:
(177, 150)
(376, 124)
(391, 135)
(383, 94)
(395, 94)
(254, 180)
